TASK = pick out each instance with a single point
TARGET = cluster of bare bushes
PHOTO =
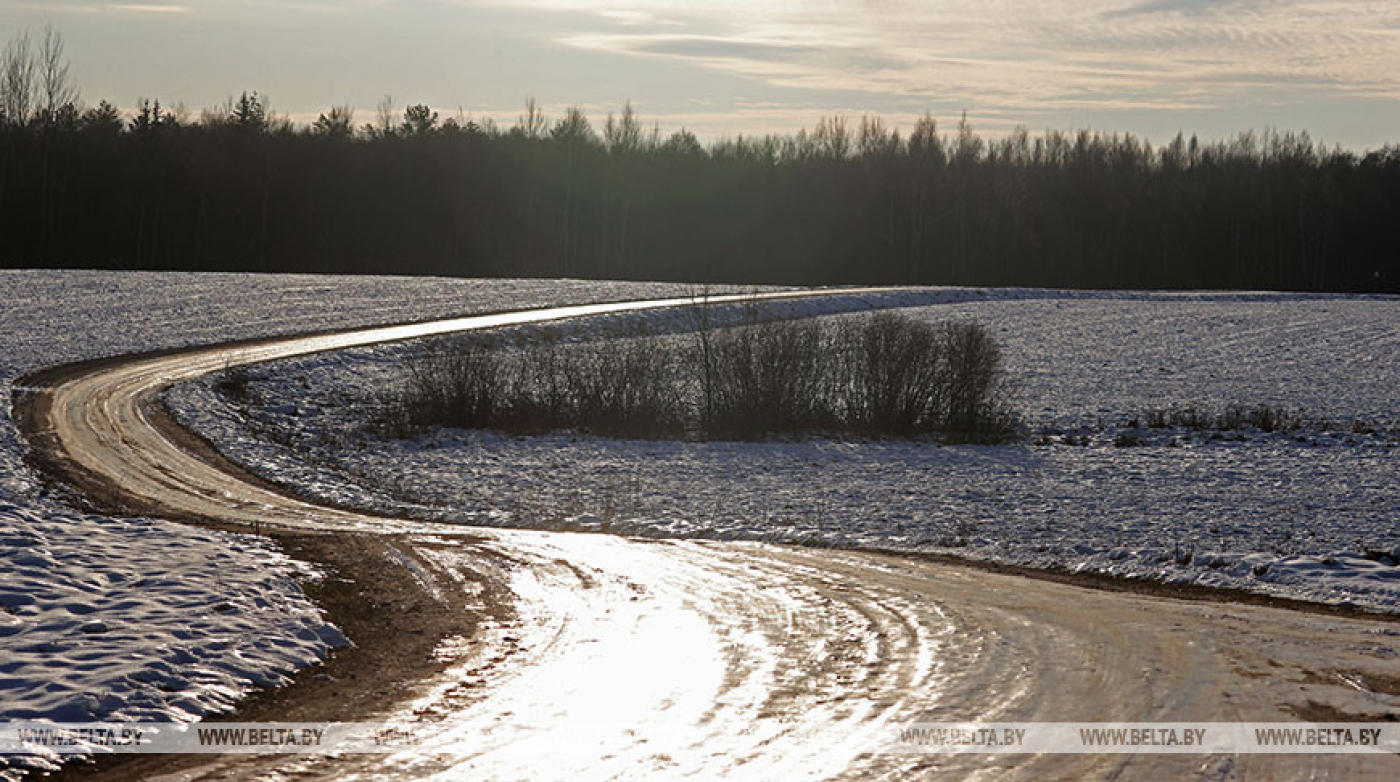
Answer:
(880, 375)
(1265, 418)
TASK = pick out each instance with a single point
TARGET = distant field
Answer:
(1077, 360)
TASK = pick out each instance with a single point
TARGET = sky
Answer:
(728, 67)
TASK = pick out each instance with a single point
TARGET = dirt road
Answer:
(595, 657)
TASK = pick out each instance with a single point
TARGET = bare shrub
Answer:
(460, 383)
(1128, 439)
(620, 386)
(1183, 417)
(234, 383)
(1362, 426)
(1191, 418)
(1265, 418)
(768, 378)
(536, 385)
(976, 409)
(902, 377)
(894, 380)
(1237, 417)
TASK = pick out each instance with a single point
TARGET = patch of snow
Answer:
(136, 619)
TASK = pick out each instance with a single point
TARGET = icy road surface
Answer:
(630, 658)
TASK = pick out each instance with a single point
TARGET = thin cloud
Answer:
(743, 54)
(1189, 7)
(60, 7)
(711, 48)
(1167, 53)
(147, 8)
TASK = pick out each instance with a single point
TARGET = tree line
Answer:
(240, 188)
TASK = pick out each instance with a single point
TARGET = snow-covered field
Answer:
(1313, 514)
(1081, 357)
(138, 619)
(115, 619)
(134, 618)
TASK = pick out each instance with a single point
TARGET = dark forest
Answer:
(846, 202)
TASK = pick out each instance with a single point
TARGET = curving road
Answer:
(630, 659)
